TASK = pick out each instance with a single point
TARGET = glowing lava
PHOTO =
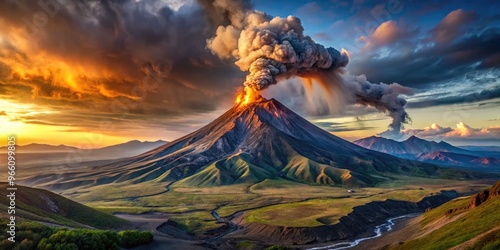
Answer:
(248, 95)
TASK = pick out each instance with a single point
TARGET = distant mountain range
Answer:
(441, 153)
(46, 148)
(36, 154)
(130, 148)
(41, 148)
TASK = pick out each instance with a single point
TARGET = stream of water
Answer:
(379, 230)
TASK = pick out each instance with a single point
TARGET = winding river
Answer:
(379, 230)
(232, 227)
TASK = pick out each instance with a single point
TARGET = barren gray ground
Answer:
(168, 238)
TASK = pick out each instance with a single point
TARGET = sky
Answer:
(96, 73)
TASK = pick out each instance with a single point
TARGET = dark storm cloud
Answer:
(342, 127)
(113, 47)
(432, 63)
(463, 99)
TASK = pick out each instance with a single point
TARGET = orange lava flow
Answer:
(247, 96)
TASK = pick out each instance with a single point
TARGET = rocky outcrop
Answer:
(360, 220)
(479, 198)
(485, 195)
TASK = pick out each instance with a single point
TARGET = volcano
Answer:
(253, 142)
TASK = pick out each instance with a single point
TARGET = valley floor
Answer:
(271, 202)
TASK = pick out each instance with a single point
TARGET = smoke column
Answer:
(271, 49)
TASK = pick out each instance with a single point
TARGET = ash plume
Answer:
(271, 49)
(358, 90)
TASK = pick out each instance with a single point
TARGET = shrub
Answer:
(133, 238)
(28, 235)
(35, 235)
(83, 239)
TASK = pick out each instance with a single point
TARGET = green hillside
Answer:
(462, 223)
(44, 206)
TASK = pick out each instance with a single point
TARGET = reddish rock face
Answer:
(480, 198)
(485, 195)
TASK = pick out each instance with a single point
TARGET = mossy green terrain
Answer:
(489, 241)
(446, 230)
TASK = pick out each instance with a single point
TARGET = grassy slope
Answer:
(238, 169)
(471, 223)
(489, 241)
(233, 170)
(42, 205)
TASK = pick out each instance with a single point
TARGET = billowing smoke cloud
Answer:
(358, 90)
(271, 49)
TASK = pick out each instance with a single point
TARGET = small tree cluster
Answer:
(33, 235)
(133, 238)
